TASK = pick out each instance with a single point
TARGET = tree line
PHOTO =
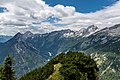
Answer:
(75, 66)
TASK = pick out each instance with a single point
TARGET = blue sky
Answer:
(2, 9)
(83, 6)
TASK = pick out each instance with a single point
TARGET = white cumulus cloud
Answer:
(23, 13)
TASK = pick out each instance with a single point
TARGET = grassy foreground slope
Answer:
(66, 66)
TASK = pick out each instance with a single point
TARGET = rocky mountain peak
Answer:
(92, 28)
(115, 26)
(21, 37)
(28, 33)
(18, 35)
(87, 31)
(114, 30)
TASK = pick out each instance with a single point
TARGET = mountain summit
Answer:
(33, 50)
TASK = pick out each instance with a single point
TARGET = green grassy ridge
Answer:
(66, 66)
(56, 75)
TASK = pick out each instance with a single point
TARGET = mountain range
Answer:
(30, 51)
(4, 38)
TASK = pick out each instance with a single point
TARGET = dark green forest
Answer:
(66, 66)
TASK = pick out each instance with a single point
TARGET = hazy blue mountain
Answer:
(4, 38)
(25, 56)
(32, 50)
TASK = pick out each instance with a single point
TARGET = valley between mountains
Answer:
(31, 51)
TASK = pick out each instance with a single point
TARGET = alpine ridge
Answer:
(30, 51)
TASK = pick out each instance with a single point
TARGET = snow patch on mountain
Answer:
(84, 32)
(50, 54)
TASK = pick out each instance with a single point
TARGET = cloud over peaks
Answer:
(23, 13)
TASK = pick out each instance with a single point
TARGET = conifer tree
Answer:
(7, 71)
(1, 72)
